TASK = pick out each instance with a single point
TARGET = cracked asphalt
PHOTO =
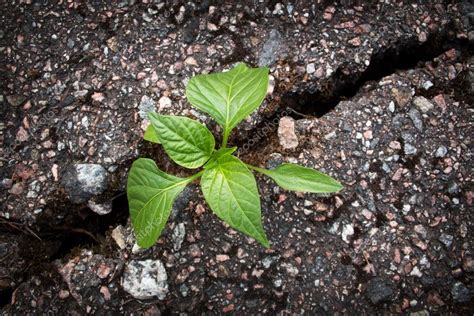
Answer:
(378, 95)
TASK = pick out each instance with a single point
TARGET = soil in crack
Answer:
(403, 55)
(52, 239)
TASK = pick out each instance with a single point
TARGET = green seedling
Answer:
(228, 185)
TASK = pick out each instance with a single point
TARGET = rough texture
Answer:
(83, 181)
(80, 77)
(145, 279)
(90, 280)
(380, 290)
(286, 133)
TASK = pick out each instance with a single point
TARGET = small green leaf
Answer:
(224, 151)
(217, 154)
(150, 135)
(189, 143)
(151, 194)
(297, 178)
(230, 96)
(231, 191)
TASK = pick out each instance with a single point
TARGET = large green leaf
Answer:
(230, 96)
(297, 178)
(150, 135)
(151, 194)
(189, 143)
(231, 191)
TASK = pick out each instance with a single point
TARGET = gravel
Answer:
(446, 239)
(441, 151)
(380, 290)
(274, 160)
(179, 232)
(147, 104)
(347, 232)
(86, 74)
(83, 181)
(460, 293)
(145, 279)
(270, 48)
(423, 104)
(287, 133)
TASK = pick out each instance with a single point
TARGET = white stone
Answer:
(427, 84)
(391, 106)
(119, 237)
(310, 68)
(347, 231)
(164, 103)
(145, 279)
(441, 152)
(92, 178)
(423, 104)
(179, 232)
(334, 228)
(416, 272)
(271, 84)
(146, 105)
(85, 122)
(136, 249)
(82, 181)
(101, 209)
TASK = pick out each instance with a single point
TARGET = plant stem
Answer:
(226, 136)
(194, 176)
(264, 171)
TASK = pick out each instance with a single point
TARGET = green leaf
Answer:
(150, 135)
(224, 151)
(297, 178)
(231, 191)
(230, 96)
(217, 154)
(189, 143)
(151, 194)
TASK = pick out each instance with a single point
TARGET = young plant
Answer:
(227, 183)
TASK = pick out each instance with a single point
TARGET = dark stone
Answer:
(460, 293)
(274, 160)
(16, 100)
(270, 48)
(191, 30)
(454, 188)
(380, 290)
(251, 303)
(427, 280)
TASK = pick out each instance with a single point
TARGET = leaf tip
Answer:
(263, 240)
(266, 244)
(338, 186)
